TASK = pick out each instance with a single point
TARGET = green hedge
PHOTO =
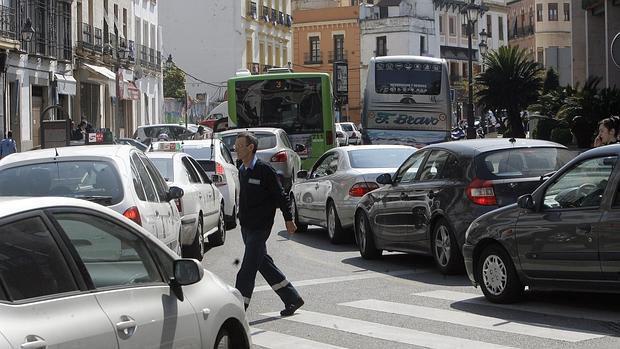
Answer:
(562, 135)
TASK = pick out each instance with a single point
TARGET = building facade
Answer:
(594, 26)
(323, 36)
(543, 27)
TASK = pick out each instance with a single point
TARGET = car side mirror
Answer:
(187, 271)
(300, 148)
(303, 174)
(526, 202)
(385, 178)
(216, 178)
(175, 193)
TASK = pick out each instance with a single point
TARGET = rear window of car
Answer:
(520, 162)
(96, 181)
(379, 158)
(201, 153)
(265, 140)
(346, 127)
(164, 166)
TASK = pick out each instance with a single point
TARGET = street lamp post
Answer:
(121, 53)
(470, 14)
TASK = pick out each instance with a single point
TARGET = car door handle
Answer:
(34, 342)
(316, 186)
(157, 213)
(403, 196)
(127, 326)
(431, 194)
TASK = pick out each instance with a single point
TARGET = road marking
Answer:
(474, 320)
(358, 276)
(386, 332)
(532, 307)
(274, 340)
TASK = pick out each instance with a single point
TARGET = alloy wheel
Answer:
(222, 224)
(442, 246)
(201, 239)
(494, 275)
(361, 229)
(331, 222)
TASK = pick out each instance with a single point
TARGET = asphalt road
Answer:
(401, 301)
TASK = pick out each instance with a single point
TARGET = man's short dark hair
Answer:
(250, 138)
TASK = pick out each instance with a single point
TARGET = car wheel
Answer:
(334, 229)
(223, 340)
(445, 249)
(365, 238)
(219, 237)
(497, 276)
(231, 223)
(196, 249)
(300, 226)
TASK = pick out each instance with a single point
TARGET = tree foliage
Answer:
(552, 81)
(174, 82)
(511, 82)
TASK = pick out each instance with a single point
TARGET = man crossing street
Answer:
(7, 145)
(260, 193)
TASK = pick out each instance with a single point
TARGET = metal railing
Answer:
(7, 22)
(315, 57)
(85, 36)
(337, 56)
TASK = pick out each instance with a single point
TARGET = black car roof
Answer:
(472, 147)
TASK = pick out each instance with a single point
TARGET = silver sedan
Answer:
(328, 194)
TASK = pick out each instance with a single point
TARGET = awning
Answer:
(105, 72)
(65, 84)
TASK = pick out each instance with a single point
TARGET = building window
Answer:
(451, 28)
(125, 23)
(64, 30)
(441, 25)
(531, 17)
(553, 11)
(338, 48)
(489, 26)
(353, 2)
(539, 13)
(566, 11)
(500, 27)
(315, 49)
(381, 46)
(252, 10)
(540, 55)
(423, 49)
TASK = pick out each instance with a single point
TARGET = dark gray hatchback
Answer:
(565, 235)
(427, 205)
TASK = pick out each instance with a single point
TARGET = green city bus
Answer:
(299, 103)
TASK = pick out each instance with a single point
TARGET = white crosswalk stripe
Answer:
(386, 332)
(474, 320)
(541, 308)
(274, 340)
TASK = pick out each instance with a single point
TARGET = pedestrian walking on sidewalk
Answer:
(7, 145)
(260, 193)
(608, 130)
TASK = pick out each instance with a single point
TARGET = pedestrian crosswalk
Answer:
(423, 306)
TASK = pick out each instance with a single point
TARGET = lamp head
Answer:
(27, 31)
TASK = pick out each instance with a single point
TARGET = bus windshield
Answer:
(408, 78)
(294, 105)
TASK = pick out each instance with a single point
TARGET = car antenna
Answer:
(56, 150)
(512, 140)
(212, 145)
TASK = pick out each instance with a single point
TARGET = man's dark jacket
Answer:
(260, 193)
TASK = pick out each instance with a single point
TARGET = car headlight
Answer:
(471, 228)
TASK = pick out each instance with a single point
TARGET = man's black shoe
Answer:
(290, 308)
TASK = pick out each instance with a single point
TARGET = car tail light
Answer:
(133, 214)
(179, 205)
(219, 169)
(481, 192)
(330, 137)
(360, 189)
(280, 156)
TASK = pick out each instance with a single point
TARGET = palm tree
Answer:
(511, 81)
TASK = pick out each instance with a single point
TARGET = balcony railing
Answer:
(313, 57)
(87, 36)
(521, 32)
(337, 56)
(7, 22)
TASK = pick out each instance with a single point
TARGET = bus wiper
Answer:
(99, 199)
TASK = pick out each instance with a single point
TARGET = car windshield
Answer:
(379, 158)
(164, 166)
(96, 181)
(265, 140)
(346, 127)
(521, 162)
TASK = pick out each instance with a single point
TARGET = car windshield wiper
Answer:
(100, 199)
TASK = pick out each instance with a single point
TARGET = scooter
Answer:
(457, 133)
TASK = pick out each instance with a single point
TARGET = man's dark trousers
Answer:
(256, 259)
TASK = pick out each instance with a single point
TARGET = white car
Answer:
(151, 133)
(202, 205)
(118, 176)
(341, 137)
(215, 158)
(79, 275)
(354, 135)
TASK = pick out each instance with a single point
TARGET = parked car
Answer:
(152, 133)
(118, 176)
(79, 275)
(354, 135)
(201, 207)
(342, 138)
(563, 236)
(328, 194)
(215, 158)
(428, 204)
(274, 147)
